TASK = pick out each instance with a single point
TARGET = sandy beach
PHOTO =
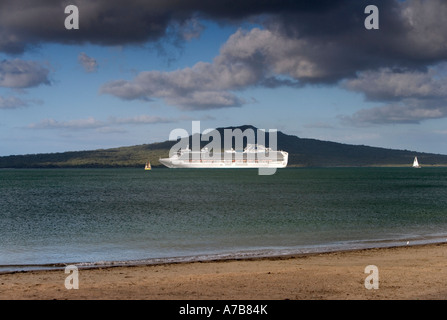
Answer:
(408, 272)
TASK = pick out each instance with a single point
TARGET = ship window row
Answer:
(232, 157)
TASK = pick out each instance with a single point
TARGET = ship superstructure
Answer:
(253, 156)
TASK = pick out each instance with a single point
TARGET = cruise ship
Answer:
(253, 156)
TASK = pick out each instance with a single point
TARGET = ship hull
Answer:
(252, 157)
(174, 163)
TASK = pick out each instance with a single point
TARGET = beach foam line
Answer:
(274, 252)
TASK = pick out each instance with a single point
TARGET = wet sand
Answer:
(409, 272)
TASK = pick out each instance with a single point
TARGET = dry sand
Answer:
(410, 272)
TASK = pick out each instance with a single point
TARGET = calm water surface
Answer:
(51, 216)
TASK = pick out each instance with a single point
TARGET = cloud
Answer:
(326, 39)
(28, 23)
(88, 63)
(22, 74)
(410, 96)
(387, 84)
(142, 119)
(112, 22)
(335, 44)
(190, 29)
(89, 123)
(248, 58)
(319, 44)
(92, 123)
(203, 86)
(406, 112)
(329, 36)
(12, 103)
(319, 125)
(297, 43)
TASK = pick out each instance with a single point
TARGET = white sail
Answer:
(416, 163)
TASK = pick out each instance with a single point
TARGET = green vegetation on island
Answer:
(302, 153)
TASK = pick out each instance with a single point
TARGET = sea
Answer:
(50, 218)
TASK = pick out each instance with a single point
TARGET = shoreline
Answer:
(225, 256)
(405, 272)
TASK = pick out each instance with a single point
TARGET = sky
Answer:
(135, 70)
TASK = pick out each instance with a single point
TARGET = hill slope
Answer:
(302, 152)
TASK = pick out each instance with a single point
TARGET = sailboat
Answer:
(416, 163)
(148, 166)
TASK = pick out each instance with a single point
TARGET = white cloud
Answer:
(88, 63)
(410, 96)
(247, 59)
(319, 125)
(89, 123)
(22, 74)
(92, 123)
(142, 119)
(387, 84)
(12, 103)
(191, 29)
(408, 111)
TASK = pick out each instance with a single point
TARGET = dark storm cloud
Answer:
(298, 43)
(412, 33)
(27, 23)
(332, 33)
(302, 43)
(300, 47)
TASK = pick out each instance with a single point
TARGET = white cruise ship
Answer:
(253, 156)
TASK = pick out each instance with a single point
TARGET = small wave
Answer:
(239, 255)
